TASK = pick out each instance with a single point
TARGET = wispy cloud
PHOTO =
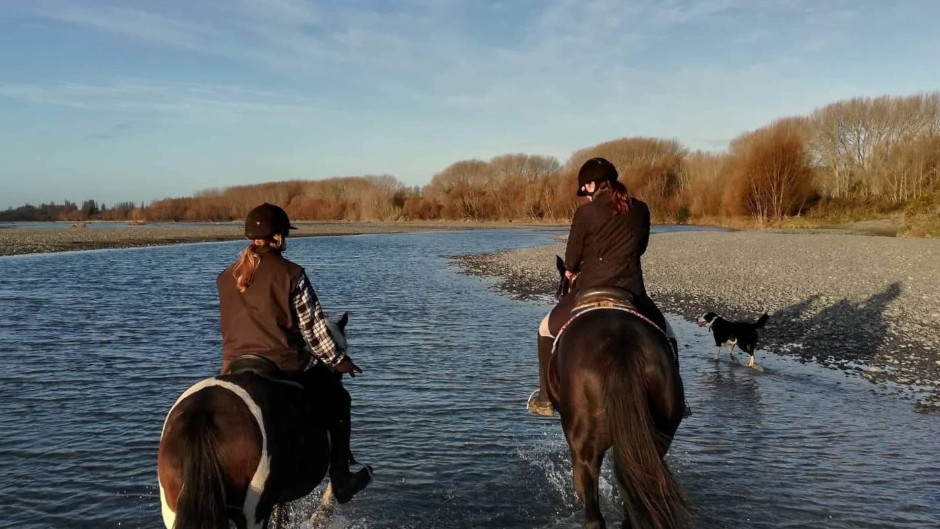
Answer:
(190, 101)
(675, 13)
(573, 58)
(117, 130)
(136, 23)
(558, 51)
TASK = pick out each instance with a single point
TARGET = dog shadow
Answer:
(844, 331)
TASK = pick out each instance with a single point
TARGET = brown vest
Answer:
(261, 320)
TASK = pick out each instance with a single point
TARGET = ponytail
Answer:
(619, 196)
(249, 259)
(246, 267)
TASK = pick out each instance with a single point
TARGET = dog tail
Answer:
(761, 321)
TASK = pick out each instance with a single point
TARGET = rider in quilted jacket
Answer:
(608, 235)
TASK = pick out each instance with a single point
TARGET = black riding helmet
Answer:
(595, 170)
(267, 220)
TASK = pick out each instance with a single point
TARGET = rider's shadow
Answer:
(845, 330)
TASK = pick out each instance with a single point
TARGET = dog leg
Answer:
(717, 352)
(753, 365)
(731, 351)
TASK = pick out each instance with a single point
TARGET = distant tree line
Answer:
(867, 155)
(70, 211)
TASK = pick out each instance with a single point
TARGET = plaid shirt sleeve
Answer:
(312, 322)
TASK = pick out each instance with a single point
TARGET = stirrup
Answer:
(539, 406)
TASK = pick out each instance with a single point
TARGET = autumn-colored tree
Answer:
(649, 167)
(851, 142)
(462, 189)
(883, 151)
(704, 176)
(772, 166)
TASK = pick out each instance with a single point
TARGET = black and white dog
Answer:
(733, 333)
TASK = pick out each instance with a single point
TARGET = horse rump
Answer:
(201, 503)
(651, 495)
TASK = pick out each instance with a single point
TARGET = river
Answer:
(98, 344)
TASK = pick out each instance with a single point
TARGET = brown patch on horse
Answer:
(234, 428)
(213, 451)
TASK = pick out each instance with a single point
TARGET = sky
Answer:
(141, 100)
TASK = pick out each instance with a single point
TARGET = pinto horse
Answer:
(614, 383)
(235, 446)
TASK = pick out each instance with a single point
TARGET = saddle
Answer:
(262, 367)
(603, 297)
(252, 363)
(600, 298)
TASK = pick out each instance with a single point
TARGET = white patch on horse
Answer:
(338, 336)
(169, 517)
(256, 487)
(543, 328)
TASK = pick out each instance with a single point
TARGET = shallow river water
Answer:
(97, 346)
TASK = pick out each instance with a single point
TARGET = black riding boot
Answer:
(686, 411)
(345, 483)
(539, 403)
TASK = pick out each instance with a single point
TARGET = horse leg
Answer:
(586, 474)
(325, 509)
(586, 459)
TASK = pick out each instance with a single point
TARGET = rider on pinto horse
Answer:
(607, 237)
(269, 308)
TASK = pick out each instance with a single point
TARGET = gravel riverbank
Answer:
(16, 240)
(865, 304)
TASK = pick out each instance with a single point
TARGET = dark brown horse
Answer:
(613, 381)
(235, 446)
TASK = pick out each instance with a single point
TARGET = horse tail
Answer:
(201, 503)
(761, 321)
(652, 494)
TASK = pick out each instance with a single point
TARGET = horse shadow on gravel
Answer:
(845, 332)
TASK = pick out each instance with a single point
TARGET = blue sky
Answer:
(140, 100)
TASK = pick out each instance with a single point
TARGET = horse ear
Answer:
(560, 264)
(343, 320)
